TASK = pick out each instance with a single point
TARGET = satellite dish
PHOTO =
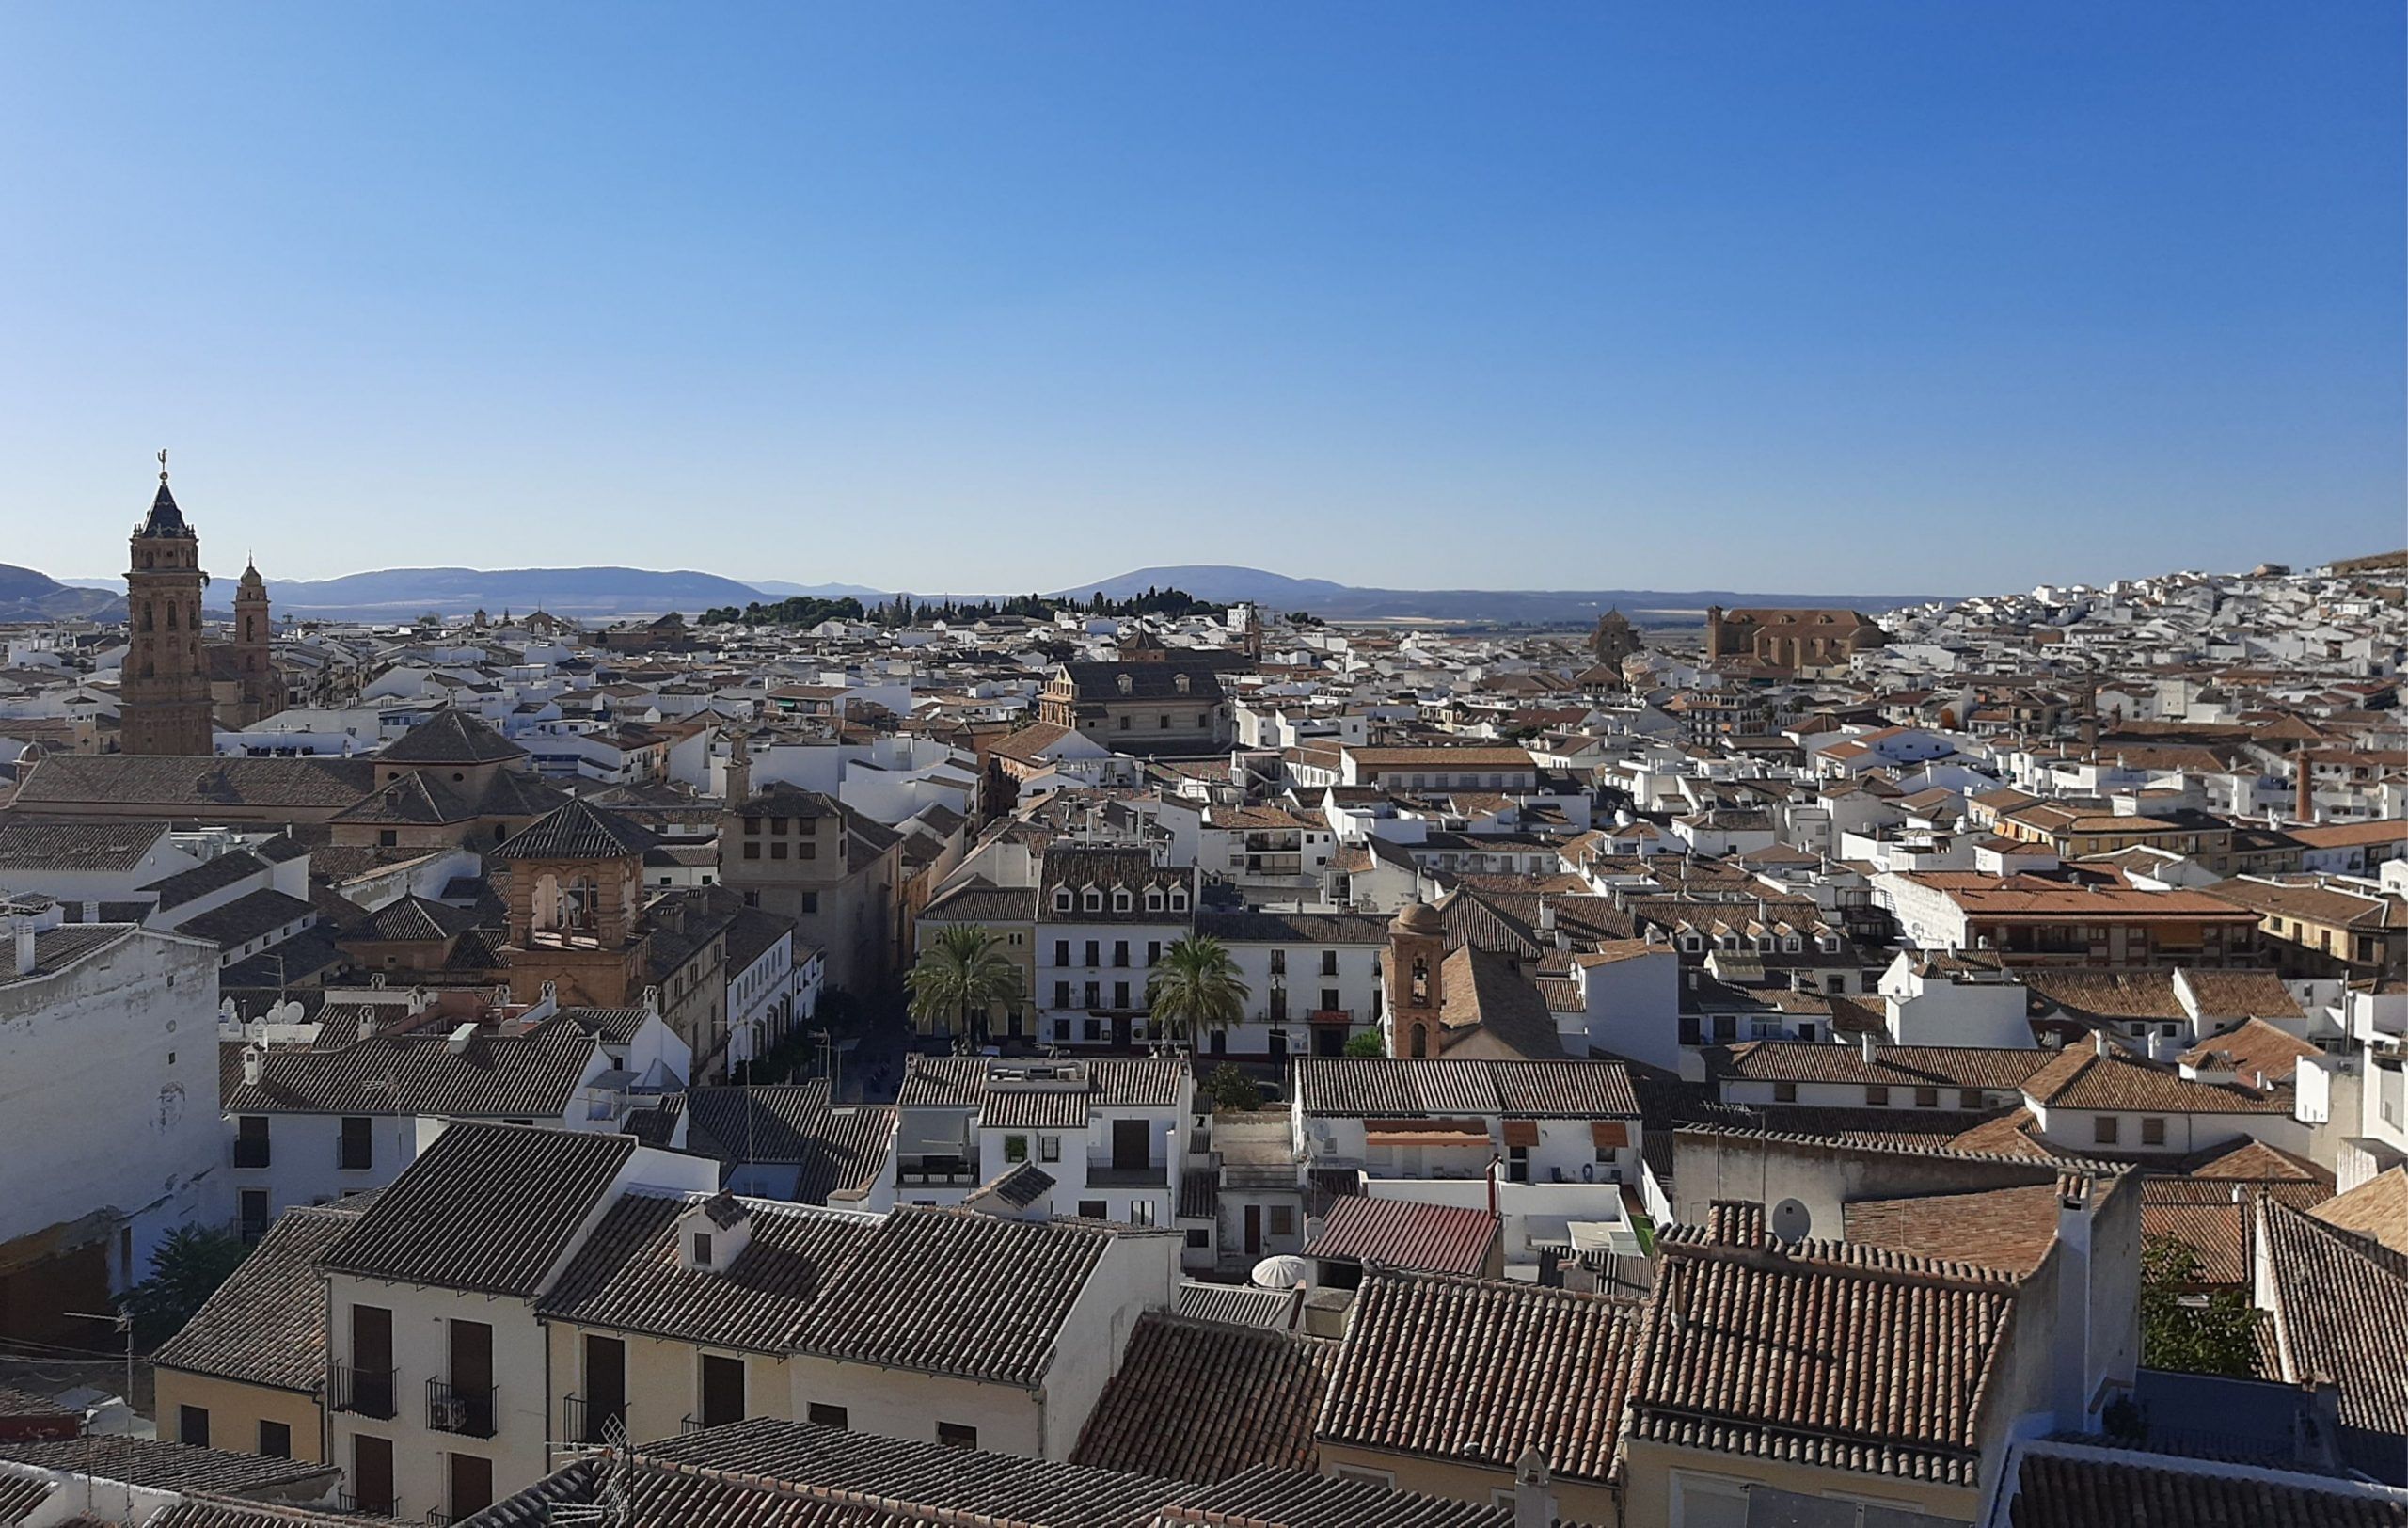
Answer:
(1282, 1273)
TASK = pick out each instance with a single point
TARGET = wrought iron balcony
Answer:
(582, 1421)
(367, 1392)
(452, 1410)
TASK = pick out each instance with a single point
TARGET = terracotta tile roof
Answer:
(1476, 1371)
(1204, 1400)
(1268, 1498)
(2008, 1229)
(1947, 1066)
(166, 1466)
(2339, 1302)
(2215, 1230)
(1847, 1357)
(2377, 1209)
(486, 1207)
(2078, 1077)
(2095, 1489)
(2255, 1052)
(2241, 995)
(529, 1076)
(1367, 1086)
(267, 1324)
(2110, 995)
(954, 1292)
(1404, 1234)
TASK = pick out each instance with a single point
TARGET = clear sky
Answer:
(1833, 297)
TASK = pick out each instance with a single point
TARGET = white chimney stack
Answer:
(1533, 1492)
(457, 1040)
(1866, 1041)
(27, 956)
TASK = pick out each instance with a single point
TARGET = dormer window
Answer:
(1093, 901)
(1180, 684)
(1121, 902)
(1153, 898)
(1062, 899)
(1179, 898)
(702, 1248)
(1127, 684)
(713, 1234)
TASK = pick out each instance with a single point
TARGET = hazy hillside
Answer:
(402, 593)
(28, 595)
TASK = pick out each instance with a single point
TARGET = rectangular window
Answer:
(251, 1206)
(1784, 1093)
(1198, 1239)
(1091, 1209)
(192, 1427)
(1120, 994)
(808, 848)
(1095, 995)
(1329, 963)
(1283, 1219)
(276, 1441)
(2153, 1131)
(1095, 948)
(359, 1149)
(955, 1434)
(822, 1414)
(2105, 1129)
(1061, 952)
(777, 851)
(251, 1142)
(1061, 994)
(1970, 1098)
(1926, 1098)
(1121, 953)
(811, 903)
(1049, 1147)
(1877, 1097)
(723, 1387)
(1153, 952)
(1141, 1211)
(702, 1248)
(472, 1484)
(1015, 1148)
(751, 852)
(372, 1472)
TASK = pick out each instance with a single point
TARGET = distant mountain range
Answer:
(28, 595)
(402, 594)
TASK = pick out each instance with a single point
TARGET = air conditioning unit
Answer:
(447, 1415)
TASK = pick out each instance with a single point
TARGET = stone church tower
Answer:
(164, 687)
(261, 690)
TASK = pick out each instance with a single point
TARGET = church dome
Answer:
(1420, 918)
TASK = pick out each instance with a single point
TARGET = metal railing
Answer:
(452, 1410)
(690, 1423)
(582, 1421)
(367, 1392)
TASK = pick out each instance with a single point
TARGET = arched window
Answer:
(148, 623)
(1420, 979)
(171, 617)
(1420, 1043)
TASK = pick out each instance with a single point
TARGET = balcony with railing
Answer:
(367, 1392)
(251, 1151)
(933, 1172)
(452, 1410)
(583, 1421)
(1106, 1175)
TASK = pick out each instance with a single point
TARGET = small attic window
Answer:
(1153, 898)
(1179, 898)
(1121, 902)
(1062, 899)
(702, 1248)
(1180, 684)
(1093, 901)
(1127, 684)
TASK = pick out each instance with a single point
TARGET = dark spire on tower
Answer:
(166, 519)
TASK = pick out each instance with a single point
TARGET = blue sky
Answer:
(1819, 297)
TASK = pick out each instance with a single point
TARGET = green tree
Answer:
(1232, 1090)
(2185, 1330)
(1366, 1044)
(962, 974)
(185, 1269)
(1196, 988)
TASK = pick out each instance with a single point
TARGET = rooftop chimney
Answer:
(457, 1040)
(2099, 1043)
(1533, 1492)
(27, 957)
(253, 1062)
(1864, 1041)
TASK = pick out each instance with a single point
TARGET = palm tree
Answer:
(963, 974)
(1195, 988)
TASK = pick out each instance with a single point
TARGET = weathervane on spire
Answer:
(163, 463)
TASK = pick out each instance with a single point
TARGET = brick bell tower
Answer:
(1415, 988)
(164, 687)
(254, 657)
